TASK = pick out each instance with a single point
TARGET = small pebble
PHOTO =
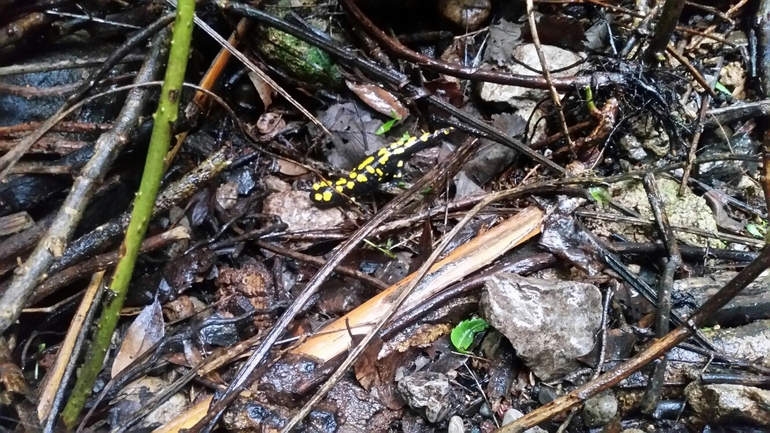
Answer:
(456, 425)
(485, 411)
(600, 410)
(546, 395)
(511, 415)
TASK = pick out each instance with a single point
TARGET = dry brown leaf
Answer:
(147, 329)
(379, 99)
(265, 91)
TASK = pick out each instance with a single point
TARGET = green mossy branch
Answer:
(164, 117)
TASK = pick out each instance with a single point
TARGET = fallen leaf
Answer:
(264, 90)
(147, 329)
(379, 99)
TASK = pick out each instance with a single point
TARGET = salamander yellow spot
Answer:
(370, 169)
(366, 163)
(318, 196)
(327, 196)
(425, 137)
(353, 174)
(339, 188)
(400, 164)
(379, 172)
(316, 186)
(361, 178)
(383, 151)
(398, 151)
(383, 160)
(341, 181)
(351, 185)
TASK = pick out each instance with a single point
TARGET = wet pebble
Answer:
(456, 425)
(598, 411)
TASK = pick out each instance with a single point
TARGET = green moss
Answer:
(294, 57)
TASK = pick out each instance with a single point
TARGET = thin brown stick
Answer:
(15, 131)
(50, 144)
(692, 152)
(694, 72)
(42, 92)
(766, 168)
(64, 64)
(665, 286)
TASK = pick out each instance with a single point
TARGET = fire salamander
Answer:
(381, 167)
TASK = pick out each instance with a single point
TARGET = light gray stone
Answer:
(549, 323)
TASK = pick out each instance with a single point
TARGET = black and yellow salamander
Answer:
(383, 166)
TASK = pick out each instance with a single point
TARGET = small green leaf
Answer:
(389, 124)
(756, 230)
(463, 334)
(719, 86)
(589, 95)
(601, 195)
(385, 251)
(386, 126)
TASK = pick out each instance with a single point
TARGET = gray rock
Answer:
(455, 425)
(549, 323)
(299, 213)
(599, 410)
(524, 99)
(729, 403)
(428, 394)
(546, 395)
(633, 147)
